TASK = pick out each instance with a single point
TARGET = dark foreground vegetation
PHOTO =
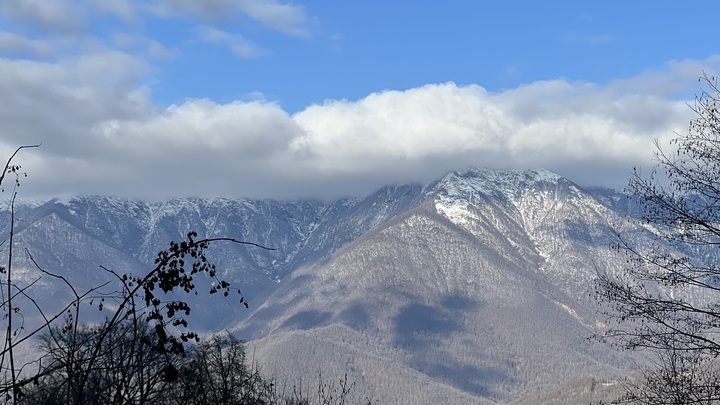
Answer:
(130, 370)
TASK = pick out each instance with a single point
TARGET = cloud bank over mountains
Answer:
(90, 101)
(103, 138)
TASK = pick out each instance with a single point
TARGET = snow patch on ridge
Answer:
(456, 211)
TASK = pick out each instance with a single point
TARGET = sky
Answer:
(323, 99)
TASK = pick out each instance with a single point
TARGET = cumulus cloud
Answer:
(101, 133)
(552, 124)
(243, 130)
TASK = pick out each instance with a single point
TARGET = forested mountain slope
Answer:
(484, 288)
(472, 289)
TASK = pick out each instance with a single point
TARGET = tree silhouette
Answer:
(667, 299)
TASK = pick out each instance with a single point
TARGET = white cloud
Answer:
(124, 9)
(101, 132)
(14, 43)
(64, 16)
(86, 99)
(282, 17)
(58, 102)
(437, 127)
(240, 130)
(286, 18)
(82, 93)
(238, 45)
(672, 79)
(145, 45)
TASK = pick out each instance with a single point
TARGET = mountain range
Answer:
(475, 288)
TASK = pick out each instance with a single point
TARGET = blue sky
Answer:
(353, 49)
(266, 98)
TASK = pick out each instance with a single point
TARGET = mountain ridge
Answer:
(478, 253)
(442, 281)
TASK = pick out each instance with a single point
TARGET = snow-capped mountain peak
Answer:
(509, 184)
